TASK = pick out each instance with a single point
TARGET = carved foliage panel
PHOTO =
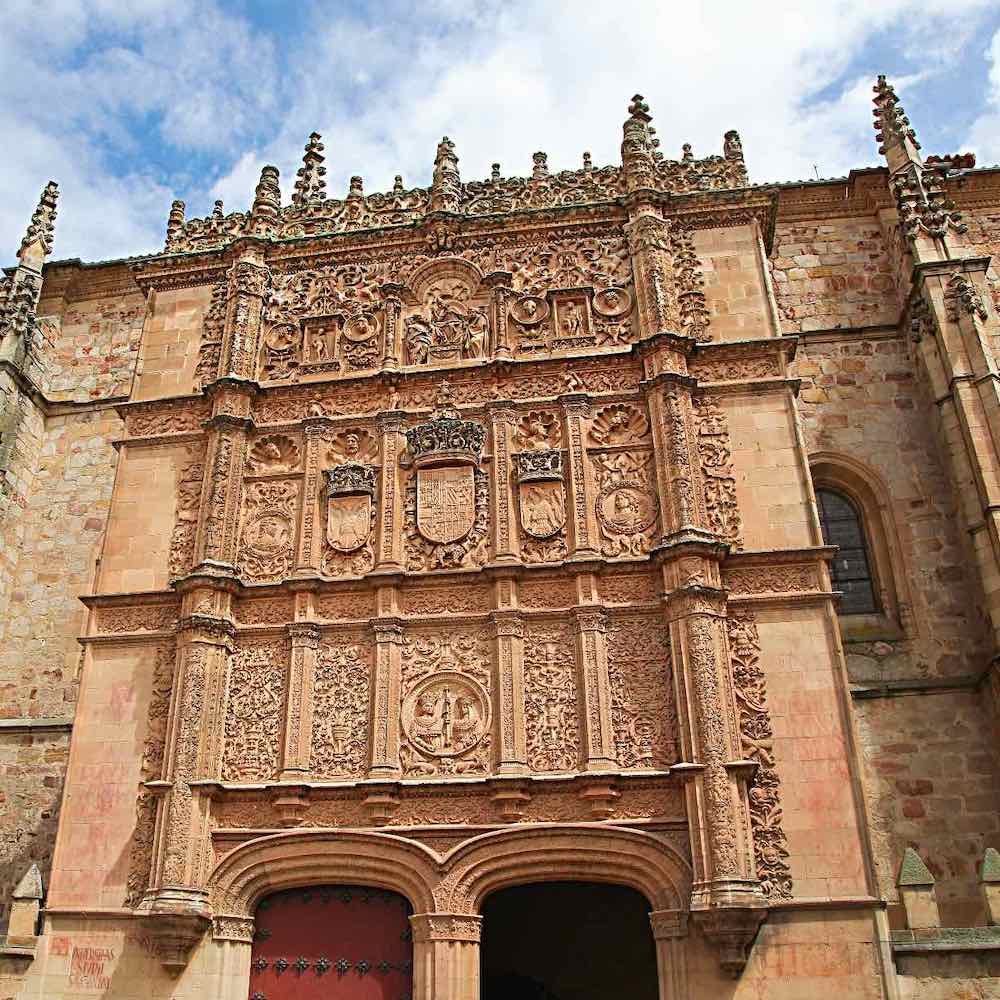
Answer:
(446, 703)
(341, 707)
(189, 483)
(757, 743)
(153, 749)
(643, 712)
(715, 456)
(551, 697)
(621, 455)
(255, 711)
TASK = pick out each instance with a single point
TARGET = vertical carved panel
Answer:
(446, 703)
(551, 702)
(189, 486)
(267, 548)
(153, 750)
(341, 699)
(643, 712)
(255, 712)
(757, 743)
(717, 470)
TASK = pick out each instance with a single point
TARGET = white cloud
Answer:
(503, 79)
(984, 136)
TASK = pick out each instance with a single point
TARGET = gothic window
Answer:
(851, 569)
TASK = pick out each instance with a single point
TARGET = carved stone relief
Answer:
(717, 469)
(210, 347)
(341, 700)
(327, 319)
(446, 703)
(643, 713)
(551, 704)
(350, 519)
(268, 537)
(273, 454)
(451, 321)
(627, 512)
(255, 711)
(153, 748)
(757, 743)
(182, 539)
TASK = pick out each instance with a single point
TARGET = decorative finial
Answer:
(175, 221)
(892, 127)
(357, 189)
(541, 165)
(37, 242)
(639, 109)
(217, 211)
(266, 202)
(309, 184)
(638, 149)
(732, 145)
(495, 172)
(588, 164)
(446, 186)
(397, 185)
(686, 155)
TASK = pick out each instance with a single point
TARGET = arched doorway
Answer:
(567, 941)
(333, 941)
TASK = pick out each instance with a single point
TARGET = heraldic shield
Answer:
(446, 502)
(349, 510)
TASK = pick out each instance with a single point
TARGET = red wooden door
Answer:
(332, 942)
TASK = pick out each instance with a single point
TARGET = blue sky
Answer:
(131, 104)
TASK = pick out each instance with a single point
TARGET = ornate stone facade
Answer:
(469, 539)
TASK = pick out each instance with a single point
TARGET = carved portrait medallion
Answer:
(612, 302)
(446, 502)
(626, 508)
(529, 310)
(446, 714)
(268, 536)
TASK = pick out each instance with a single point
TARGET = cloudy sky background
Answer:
(131, 103)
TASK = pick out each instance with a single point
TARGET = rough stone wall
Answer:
(833, 274)
(931, 777)
(94, 348)
(32, 771)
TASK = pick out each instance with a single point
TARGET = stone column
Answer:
(503, 512)
(385, 717)
(649, 243)
(297, 743)
(307, 557)
(670, 929)
(392, 352)
(194, 745)
(228, 430)
(249, 278)
(583, 520)
(512, 755)
(592, 655)
(446, 956)
(389, 537)
(499, 282)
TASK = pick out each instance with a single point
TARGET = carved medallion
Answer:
(446, 714)
(529, 310)
(626, 508)
(446, 502)
(350, 488)
(612, 302)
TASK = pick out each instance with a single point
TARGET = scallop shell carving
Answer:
(274, 453)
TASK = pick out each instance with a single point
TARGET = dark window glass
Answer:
(850, 569)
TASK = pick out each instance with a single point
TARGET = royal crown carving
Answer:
(348, 479)
(446, 439)
(539, 466)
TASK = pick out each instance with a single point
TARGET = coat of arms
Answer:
(541, 497)
(349, 489)
(446, 502)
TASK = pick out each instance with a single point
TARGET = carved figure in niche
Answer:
(571, 323)
(271, 454)
(619, 424)
(538, 429)
(451, 325)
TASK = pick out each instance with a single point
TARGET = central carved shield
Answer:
(446, 502)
